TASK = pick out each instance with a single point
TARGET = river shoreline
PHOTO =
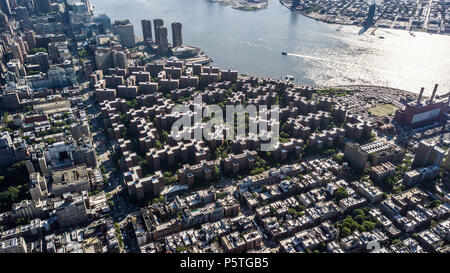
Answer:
(242, 5)
(363, 88)
(251, 42)
(344, 24)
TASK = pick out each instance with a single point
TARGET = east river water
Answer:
(319, 53)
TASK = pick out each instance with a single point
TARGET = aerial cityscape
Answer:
(157, 133)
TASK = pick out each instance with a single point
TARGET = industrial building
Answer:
(420, 113)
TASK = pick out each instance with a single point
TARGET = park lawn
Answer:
(383, 110)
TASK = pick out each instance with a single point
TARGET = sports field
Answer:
(383, 110)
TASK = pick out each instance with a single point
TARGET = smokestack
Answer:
(434, 92)
(420, 95)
